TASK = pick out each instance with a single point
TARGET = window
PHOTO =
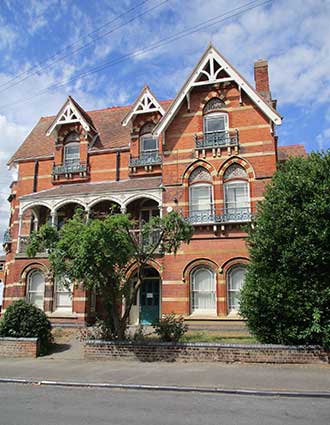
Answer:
(235, 283)
(149, 146)
(63, 296)
(200, 195)
(215, 123)
(203, 291)
(36, 288)
(72, 153)
(237, 197)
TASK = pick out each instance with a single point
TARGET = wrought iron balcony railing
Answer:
(145, 159)
(146, 240)
(216, 140)
(229, 215)
(69, 169)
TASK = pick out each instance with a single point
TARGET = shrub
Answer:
(22, 320)
(170, 328)
(286, 295)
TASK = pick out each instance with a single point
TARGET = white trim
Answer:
(211, 56)
(145, 103)
(68, 114)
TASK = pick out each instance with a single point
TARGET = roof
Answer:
(285, 152)
(107, 122)
(146, 183)
(206, 67)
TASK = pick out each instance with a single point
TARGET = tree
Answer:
(97, 253)
(286, 295)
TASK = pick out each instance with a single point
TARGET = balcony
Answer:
(217, 141)
(230, 215)
(146, 240)
(69, 171)
(146, 159)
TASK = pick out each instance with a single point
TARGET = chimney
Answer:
(261, 79)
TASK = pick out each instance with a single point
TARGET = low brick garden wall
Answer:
(19, 347)
(204, 352)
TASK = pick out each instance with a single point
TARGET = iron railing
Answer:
(229, 215)
(216, 140)
(146, 239)
(69, 169)
(145, 159)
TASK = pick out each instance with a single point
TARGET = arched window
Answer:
(200, 195)
(63, 294)
(36, 288)
(235, 283)
(71, 154)
(203, 291)
(215, 122)
(236, 194)
(148, 143)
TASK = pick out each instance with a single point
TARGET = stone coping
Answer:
(203, 344)
(9, 338)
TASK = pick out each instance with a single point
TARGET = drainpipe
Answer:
(35, 175)
(117, 165)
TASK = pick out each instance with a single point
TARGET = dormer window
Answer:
(71, 149)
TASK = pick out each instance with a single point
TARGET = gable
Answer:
(211, 69)
(144, 104)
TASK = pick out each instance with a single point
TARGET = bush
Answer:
(286, 295)
(170, 328)
(22, 320)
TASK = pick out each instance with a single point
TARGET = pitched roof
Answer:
(145, 183)
(213, 68)
(106, 121)
(285, 152)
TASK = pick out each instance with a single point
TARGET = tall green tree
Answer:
(286, 296)
(97, 253)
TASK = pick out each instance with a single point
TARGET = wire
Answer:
(181, 34)
(27, 74)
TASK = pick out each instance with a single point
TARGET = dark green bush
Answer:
(286, 295)
(23, 320)
(170, 328)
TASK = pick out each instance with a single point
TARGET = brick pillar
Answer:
(261, 79)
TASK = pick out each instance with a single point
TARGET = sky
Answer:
(102, 52)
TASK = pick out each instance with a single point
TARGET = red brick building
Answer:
(208, 153)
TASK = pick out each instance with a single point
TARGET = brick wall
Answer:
(19, 347)
(192, 352)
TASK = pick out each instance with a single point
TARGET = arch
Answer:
(34, 204)
(42, 267)
(210, 96)
(198, 163)
(147, 128)
(238, 160)
(213, 105)
(72, 136)
(190, 267)
(63, 202)
(200, 174)
(111, 198)
(235, 170)
(131, 268)
(231, 262)
(141, 196)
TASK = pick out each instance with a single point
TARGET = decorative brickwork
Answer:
(193, 352)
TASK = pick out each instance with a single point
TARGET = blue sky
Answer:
(294, 35)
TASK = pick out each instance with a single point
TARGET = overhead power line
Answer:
(55, 59)
(167, 40)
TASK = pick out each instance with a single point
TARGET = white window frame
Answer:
(234, 309)
(215, 115)
(30, 292)
(57, 291)
(67, 161)
(232, 183)
(148, 151)
(210, 210)
(209, 311)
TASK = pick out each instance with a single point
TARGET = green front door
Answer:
(149, 300)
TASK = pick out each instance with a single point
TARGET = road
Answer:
(38, 405)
